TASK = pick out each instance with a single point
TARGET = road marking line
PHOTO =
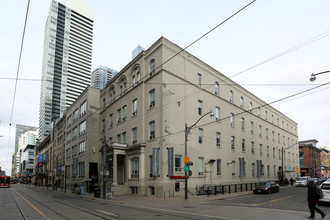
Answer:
(275, 200)
(260, 204)
(107, 213)
(32, 206)
(186, 213)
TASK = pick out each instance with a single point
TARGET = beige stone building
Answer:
(145, 107)
(82, 140)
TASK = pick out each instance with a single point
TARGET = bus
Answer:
(4, 181)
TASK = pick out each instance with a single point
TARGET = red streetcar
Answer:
(4, 181)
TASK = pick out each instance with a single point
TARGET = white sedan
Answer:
(325, 186)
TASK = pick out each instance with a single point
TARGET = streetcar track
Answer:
(67, 204)
(18, 206)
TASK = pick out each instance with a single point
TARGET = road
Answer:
(29, 202)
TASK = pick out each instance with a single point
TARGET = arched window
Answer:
(152, 67)
(122, 86)
(216, 88)
(231, 96)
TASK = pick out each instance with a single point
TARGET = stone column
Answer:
(115, 170)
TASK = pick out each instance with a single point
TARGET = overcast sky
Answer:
(272, 47)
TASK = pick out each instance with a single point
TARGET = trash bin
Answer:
(97, 192)
(82, 190)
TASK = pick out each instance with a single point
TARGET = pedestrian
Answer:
(291, 181)
(312, 198)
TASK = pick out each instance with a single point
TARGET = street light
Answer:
(187, 130)
(313, 75)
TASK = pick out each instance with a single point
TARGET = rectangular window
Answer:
(134, 135)
(134, 106)
(218, 167)
(119, 138)
(69, 136)
(274, 152)
(124, 113)
(260, 130)
(233, 168)
(243, 145)
(252, 147)
(242, 124)
(241, 167)
(253, 169)
(75, 115)
(260, 149)
(82, 128)
(124, 137)
(135, 168)
(178, 163)
(152, 130)
(152, 98)
(75, 132)
(232, 142)
(82, 169)
(199, 80)
(267, 151)
(200, 166)
(82, 147)
(119, 115)
(200, 107)
(200, 135)
(111, 120)
(217, 139)
(69, 121)
(232, 124)
(251, 127)
(83, 108)
(217, 113)
(74, 151)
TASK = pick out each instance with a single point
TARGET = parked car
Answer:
(325, 186)
(322, 179)
(267, 187)
(302, 181)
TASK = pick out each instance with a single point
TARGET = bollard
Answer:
(235, 188)
(241, 187)
(223, 189)
(229, 191)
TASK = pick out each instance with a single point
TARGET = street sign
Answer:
(322, 166)
(186, 168)
(190, 163)
(186, 159)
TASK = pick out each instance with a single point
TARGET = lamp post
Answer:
(187, 130)
(313, 75)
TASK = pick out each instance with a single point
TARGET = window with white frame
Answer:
(241, 167)
(199, 80)
(217, 113)
(200, 135)
(75, 132)
(217, 139)
(231, 96)
(260, 130)
(135, 171)
(75, 115)
(232, 124)
(200, 107)
(200, 165)
(251, 106)
(134, 104)
(178, 163)
(243, 124)
(216, 88)
(83, 108)
(258, 111)
(138, 76)
(82, 147)
(241, 101)
(218, 167)
(82, 128)
(152, 130)
(134, 135)
(152, 98)
(233, 168)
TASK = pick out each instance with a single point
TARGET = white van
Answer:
(302, 181)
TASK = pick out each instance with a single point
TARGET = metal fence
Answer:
(222, 189)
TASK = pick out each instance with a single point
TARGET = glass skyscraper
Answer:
(67, 59)
(101, 76)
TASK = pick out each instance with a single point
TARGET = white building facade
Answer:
(145, 109)
(67, 59)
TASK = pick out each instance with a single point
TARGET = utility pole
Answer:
(282, 178)
(104, 161)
